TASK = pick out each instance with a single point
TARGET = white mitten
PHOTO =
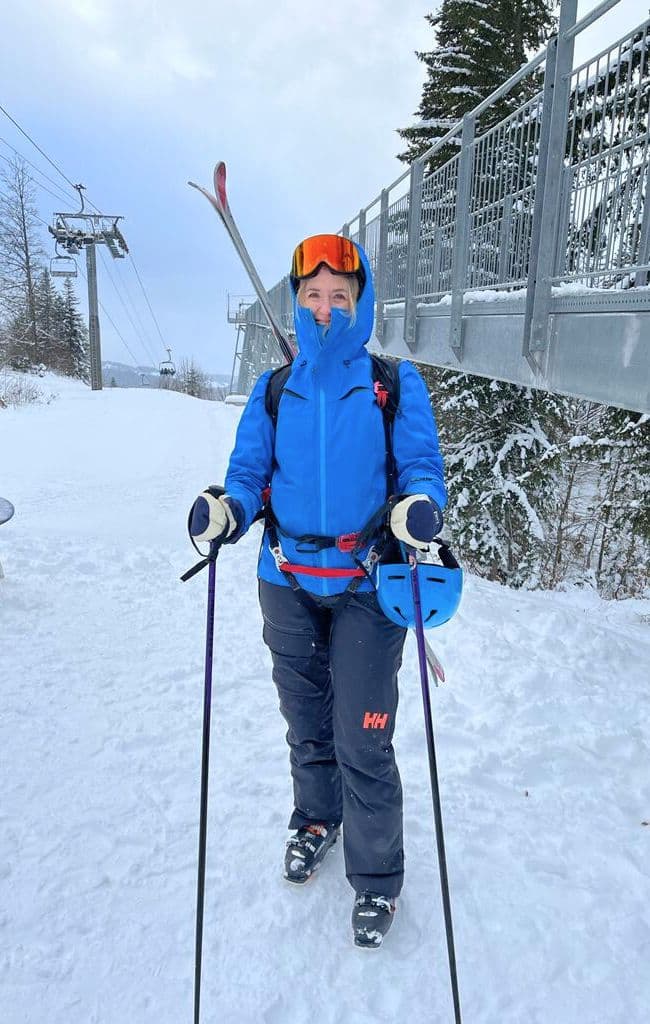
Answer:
(416, 520)
(212, 517)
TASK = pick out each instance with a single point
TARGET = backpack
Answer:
(386, 384)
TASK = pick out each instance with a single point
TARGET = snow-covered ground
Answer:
(543, 734)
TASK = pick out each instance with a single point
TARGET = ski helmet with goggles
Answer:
(441, 587)
(338, 254)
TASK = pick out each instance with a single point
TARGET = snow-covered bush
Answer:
(20, 389)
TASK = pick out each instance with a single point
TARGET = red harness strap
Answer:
(309, 570)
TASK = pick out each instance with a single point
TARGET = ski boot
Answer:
(372, 916)
(306, 850)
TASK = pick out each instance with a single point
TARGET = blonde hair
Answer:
(352, 283)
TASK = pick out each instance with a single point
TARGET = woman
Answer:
(335, 655)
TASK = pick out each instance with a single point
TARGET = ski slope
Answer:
(543, 743)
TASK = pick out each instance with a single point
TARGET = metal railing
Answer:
(557, 193)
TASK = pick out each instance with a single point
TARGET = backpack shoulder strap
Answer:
(274, 390)
(386, 372)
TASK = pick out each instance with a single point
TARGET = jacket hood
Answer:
(342, 339)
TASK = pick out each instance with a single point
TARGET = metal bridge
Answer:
(526, 256)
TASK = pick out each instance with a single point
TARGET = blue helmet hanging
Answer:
(441, 587)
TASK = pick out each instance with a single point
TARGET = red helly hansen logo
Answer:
(374, 720)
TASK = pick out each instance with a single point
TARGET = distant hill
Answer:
(126, 376)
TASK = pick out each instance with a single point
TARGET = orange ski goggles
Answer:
(338, 253)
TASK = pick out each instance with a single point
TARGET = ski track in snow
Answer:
(542, 743)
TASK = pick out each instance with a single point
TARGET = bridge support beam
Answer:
(598, 345)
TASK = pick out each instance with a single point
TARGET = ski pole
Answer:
(435, 789)
(205, 764)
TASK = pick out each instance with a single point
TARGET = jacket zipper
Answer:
(323, 479)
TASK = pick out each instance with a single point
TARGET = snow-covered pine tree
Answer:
(49, 308)
(501, 470)
(191, 380)
(479, 44)
(74, 334)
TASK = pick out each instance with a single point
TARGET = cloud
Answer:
(137, 48)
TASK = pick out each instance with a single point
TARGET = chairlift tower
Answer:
(237, 306)
(74, 231)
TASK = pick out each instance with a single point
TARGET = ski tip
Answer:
(220, 183)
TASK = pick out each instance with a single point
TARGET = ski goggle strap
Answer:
(339, 254)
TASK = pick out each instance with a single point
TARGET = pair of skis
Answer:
(219, 202)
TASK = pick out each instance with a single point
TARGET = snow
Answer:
(499, 293)
(453, 70)
(542, 741)
(464, 90)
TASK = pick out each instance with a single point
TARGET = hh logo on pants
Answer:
(374, 720)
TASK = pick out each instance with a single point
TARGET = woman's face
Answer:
(323, 292)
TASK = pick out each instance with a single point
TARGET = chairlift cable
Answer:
(43, 153)
(153, 315)
(127, 311)
(115, 327)
(61, 197)
(141, 326)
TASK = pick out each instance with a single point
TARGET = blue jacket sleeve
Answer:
(415, 440)
(251, 462)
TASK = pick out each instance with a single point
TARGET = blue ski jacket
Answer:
(326, 461)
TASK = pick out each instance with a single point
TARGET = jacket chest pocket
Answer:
(295, 430)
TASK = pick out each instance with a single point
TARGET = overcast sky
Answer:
(132, 98)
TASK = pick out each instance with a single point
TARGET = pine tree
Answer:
(74, 335)
(48, 305)
(478, 46)
(501, 469)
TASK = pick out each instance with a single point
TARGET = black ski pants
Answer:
(335, 665)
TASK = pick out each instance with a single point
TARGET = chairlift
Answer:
(167, 368)
(62, 266)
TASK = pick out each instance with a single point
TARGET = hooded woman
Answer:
(323, 451)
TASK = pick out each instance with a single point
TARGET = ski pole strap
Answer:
(212, 557)
(195, 568)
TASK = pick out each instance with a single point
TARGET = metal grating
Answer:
(606, 177)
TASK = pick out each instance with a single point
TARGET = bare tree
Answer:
(21, 251)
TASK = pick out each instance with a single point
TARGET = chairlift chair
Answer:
(62, 266)
(167, 368)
